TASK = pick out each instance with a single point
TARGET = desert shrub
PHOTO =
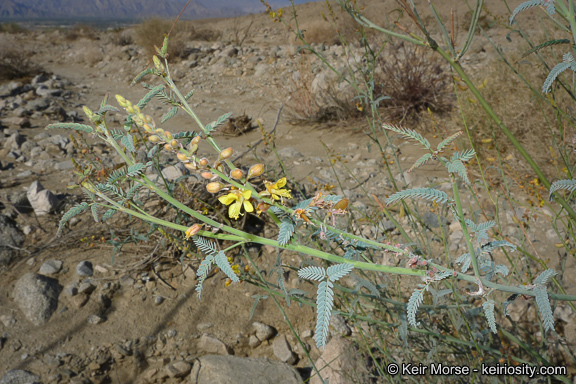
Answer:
(122, 37)
(79, 31)
(12, 28)
(16, 63)
(414, 80)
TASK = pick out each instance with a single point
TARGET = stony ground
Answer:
(70, 312)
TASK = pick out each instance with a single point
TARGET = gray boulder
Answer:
(37, 297)
(42, 200)
(10, 237)
(18, 376)
(240, 370)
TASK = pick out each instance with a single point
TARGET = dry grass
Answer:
(122, 37)
(79, 31)
(150, 33)
(12, 28)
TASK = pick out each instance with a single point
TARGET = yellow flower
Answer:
(275, 191)
(193, 230)
(236, 199)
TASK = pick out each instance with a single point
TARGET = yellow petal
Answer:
(234, 210)
(280, 183)
(246, 194)
(228, 199)
(248, 206)
(284, 193)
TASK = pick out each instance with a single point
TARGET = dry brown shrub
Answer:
(81, 31)
(151, 33)
(92, 56)
(414, 79)
(15, 64)
(12, 28)
(122, 37)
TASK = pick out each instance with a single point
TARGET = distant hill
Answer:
(129, 9)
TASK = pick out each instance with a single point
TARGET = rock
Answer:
(14, 141)
(254, 342)
(44, 91)
(37, 297)
(178, 369)
(387, 226)
(17, 376)
(564, 313)
(433, 221)
(283, 351)
(229, 52)
(158, 300)
(95, 319)
(7, 320)
(42, 200)
(456, 236)
(212, 345)
(51, 267)
(289, 153)
(86, 288)
(10, 239)
(263, 332)
(173, 172)
(84, 268)
(38, 104)
(338, 324)
(238, 370)
(341, 363)
(64, 165)
(22, 122)
(39, 79)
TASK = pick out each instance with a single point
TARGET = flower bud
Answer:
(160, 131)
(148, 119)
(236, 174)
(157, 63)
(193, 230)
(181, 156)
(203, 162)
(136, 109)
(195, 140)
(255, 170)
(207, 175)
(88, 112)
(154, 139)
(218, 166)
(341, 205)
(226, 153)
(148, 128)
(214, 187)
(193, 149)
(121, 101)
(168, 135)
(174, 143)
(191, 166)
(167, 147)
(262, 207)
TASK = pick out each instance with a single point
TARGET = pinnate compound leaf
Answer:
(489, 313)
(153, 151)
(409, 134)
(465, 260)
(202, 273)
(543, 278)
(312, 273)
(338, 271)
(567, 185)
(533, 3)
(94, 209)
(222, 263)
(463, 156)
(74, 211)
(137, 169)
(544, 307)
(170, 114)
(324, 303)
(286, 231)
(413, 304)
(546, 44)
(420, 162)
(206, 246)
(108, 214)
(215, 124)
(141, 75)
(458, 167)
(106, 108)
(497, 244)
(568, 62)
(128, 142)
(150, 95)
(446, 142)
(420, 193)
(74, 126)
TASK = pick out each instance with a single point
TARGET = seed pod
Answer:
(226, 153)
(207, 175)
(236, 174)
(203, 162)
(88, 112)
(191, 166)
(255, 170)
(157, 63)
(214, 187)
(175, 144)
(193, 230)
(168, 135)
(154, 139)
(181, 156)
(341, 205)
(121, 101)
(129, 107)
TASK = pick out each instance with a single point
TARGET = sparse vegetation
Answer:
(15, 63)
